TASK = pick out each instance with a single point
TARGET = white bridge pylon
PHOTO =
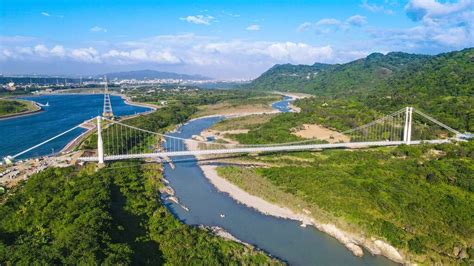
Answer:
(120, 141)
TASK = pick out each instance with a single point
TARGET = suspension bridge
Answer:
(119, 140)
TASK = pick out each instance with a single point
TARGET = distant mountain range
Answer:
(153, 74)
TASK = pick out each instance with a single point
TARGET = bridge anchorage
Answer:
(120, 141)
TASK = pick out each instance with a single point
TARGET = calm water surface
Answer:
(283, 238)
(64, 112)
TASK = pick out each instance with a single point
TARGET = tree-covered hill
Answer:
(441, 85)
(376, 71)
(280, 76)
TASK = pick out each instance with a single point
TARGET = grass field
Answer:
(246, 122)
(11, 107)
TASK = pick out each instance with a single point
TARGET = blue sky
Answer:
(221, 39)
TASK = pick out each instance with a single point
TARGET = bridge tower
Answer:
(107, 113)
(408, 122)
(100, 143)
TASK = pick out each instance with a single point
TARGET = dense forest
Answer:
(418, 198)
(111, 216)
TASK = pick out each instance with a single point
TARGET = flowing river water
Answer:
(282, 238)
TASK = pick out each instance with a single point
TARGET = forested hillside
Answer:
(442, 85)
(111, 216)
(376, 71)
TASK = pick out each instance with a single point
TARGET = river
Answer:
(64, 112)
(282, 238)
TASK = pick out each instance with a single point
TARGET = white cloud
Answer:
(328, 22)
(453, 37)
(418, 9)
(441, 26)
(46, 14)
(304, 26)
(253, 27)
(58, 50)
(140, 56)
(41, 50)
(375, 8)
(299, 52)
(198, 19)
(88, 55)
(357, 20)
(328, 25)
(186, 50)
(98, 29)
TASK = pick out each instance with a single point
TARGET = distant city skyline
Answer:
(220, 39)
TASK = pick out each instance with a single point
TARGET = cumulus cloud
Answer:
(180, 49)
(357, 20)
(198, 19)
(419, 9)
(253, 27)
(88, 55)
(58, 50)
(374, 8)
(441, 25)
(98, 29)
(207, 55)
(41, 50)
(140, 56)
(46, 14)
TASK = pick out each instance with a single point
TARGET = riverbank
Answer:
(245, 192)
(31, 105)
(353, 241)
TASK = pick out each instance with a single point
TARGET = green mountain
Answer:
(376, 71)
(441, 85)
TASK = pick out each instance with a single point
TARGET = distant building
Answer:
(11, 86)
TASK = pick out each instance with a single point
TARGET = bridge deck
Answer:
(353, 145)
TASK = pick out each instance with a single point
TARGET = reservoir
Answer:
(64, 112)
(282, 238)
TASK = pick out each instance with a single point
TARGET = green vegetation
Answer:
(418, 198)
(11, 107)
(113, 216)
(195, 97)
(243, 122)
(440, 85)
